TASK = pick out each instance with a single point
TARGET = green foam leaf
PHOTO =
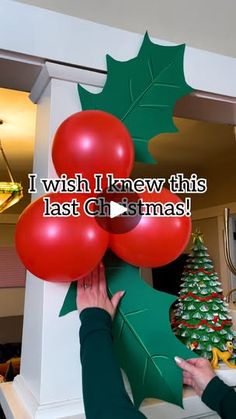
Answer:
(143, 338)
(142, 92)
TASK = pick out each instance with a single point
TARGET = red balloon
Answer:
(91, 142)
(59, 249)
(155, 241)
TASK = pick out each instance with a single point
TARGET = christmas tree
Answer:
(202, 320)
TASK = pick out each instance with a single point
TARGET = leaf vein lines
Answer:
(143, 140)
(147, 89)
(174, 86)
(153, 106)
(121, 329)
(131, 90)
(150, 68)
(145, 370)
(149, 357)
(132, 330)
(160, 356)
(131, 313)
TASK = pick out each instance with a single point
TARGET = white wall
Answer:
(208, 25)
(209, 229)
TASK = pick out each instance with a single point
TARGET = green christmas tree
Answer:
(202, 319)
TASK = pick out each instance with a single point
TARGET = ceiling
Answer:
(208, 149)
(208, 25)
(19, 75)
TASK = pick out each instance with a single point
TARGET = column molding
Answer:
(67, 73)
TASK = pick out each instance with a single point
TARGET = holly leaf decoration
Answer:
(69, 303)
(142, 92)
(143, 338)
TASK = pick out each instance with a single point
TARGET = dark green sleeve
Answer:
(103, 388)
(221, 398)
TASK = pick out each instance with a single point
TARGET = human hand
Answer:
(92, 292)
(197, 373)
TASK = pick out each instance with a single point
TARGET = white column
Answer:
(49, 384)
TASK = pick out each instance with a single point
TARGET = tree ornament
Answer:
(186, 316)
(197, 239)
(195, 316)
(204, 308)
(184, 333)
(230, 336)
(210, 330)
(209, 316)
(193, 345)
(195, 336)
(204, 291)
(191, 307)
(223, 332)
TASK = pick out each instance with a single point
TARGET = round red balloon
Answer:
(155, 241)
(59, 248)
(93, 142)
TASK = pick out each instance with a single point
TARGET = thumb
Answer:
(184, 365)
(116, 298)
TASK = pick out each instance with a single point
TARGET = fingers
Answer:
(94, 278)
(95, 281)
(86, 282)
(188, 381)
(91, 280)
(102, 279)
(116, 298)
(80, 286)
(185, 365)
(80, 293)
(193, 361)
(187, 376)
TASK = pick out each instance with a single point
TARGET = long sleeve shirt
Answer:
(104, 393)
(220, 397)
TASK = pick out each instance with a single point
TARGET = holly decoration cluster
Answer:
(139, 94)
(112, 131)
(202, 319)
